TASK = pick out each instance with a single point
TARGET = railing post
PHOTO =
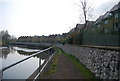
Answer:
(39, 64)
(1, 75)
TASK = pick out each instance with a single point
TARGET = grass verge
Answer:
(53, 65)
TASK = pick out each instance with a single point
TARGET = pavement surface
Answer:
(64, 70)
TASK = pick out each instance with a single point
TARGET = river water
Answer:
(10, 55)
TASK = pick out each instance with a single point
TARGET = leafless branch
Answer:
(86, 8)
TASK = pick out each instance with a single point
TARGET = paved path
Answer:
(65, 70)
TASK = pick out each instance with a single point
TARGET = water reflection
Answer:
(43, 55)
(5, 53)
(12, 50)
(25, 53)
(26, 49)
(23, 70)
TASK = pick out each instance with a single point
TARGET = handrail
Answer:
(43, 67)
(7, 67)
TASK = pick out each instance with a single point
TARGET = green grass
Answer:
(86, 73)
(54, 63)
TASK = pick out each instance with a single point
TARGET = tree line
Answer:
(5, 38)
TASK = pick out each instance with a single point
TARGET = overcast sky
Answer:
(45, 17)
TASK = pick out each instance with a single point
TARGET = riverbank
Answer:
(65, 66)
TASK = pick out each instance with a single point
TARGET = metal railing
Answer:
(34, 54)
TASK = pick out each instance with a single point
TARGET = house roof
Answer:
(99, 19)
(81, 26)
(107, 14)
(115, 7)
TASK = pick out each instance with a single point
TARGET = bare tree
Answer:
(86, 9)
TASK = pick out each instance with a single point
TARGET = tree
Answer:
(5, 38)
(13, 38)
(86, 15)
(86, 6)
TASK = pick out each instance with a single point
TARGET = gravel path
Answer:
(65, 70)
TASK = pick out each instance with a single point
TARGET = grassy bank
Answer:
(52, 65)
(54, 62)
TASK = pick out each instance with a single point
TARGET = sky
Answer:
(45, 17)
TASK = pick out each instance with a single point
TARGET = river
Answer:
(10, 55)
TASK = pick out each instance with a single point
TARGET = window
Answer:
(116, 27)
(106, 21)
(110, 14)
(85, 29)
(92, 28)
(98, 25)
(116, 15)
(106, 31)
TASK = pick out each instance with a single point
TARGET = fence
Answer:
(101, 39)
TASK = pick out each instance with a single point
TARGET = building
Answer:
(109, 22)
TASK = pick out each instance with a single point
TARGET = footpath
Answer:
(65, 69)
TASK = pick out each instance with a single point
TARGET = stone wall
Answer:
(104, 63)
